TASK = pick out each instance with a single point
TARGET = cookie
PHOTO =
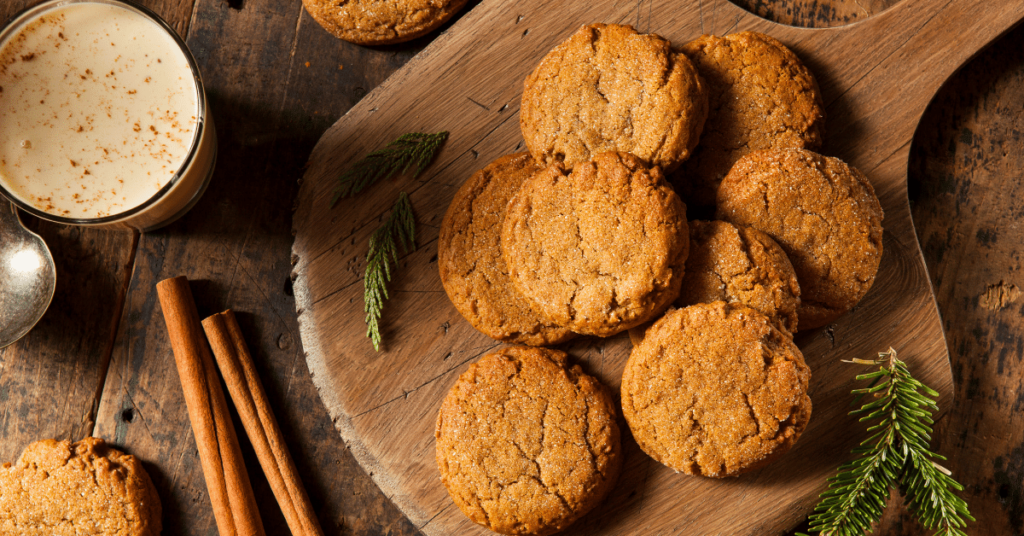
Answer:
(58, 488)
(381, 22)
(716, 390)
(741, 265)
(609, 88)
(761, 97)
(599, 249)
(469, 257)
(526, 444)
(823, 213)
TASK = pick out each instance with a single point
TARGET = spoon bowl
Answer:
(27, 276)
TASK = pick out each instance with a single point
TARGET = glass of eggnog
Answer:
(103, 117)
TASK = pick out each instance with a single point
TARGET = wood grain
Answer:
(50, 381)
(815, 13)
(966, 194)
(875, 88)
(269, 108)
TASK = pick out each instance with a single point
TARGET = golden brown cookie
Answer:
(823, 213)
(57, 488)
(716, 390)
(526, 444)
(609, 88)
(381, 22)
(469, 257)
(742, 265)
(599, 249)
(761, 97)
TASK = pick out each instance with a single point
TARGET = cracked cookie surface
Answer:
(525, 444)
(823, 213)
(469, 257)
(381, 22)
(760, 96)
(715, 390)
(738, 264)
(57, 488)
(599, 249)
(609, 88)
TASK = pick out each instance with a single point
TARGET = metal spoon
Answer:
(27, 276)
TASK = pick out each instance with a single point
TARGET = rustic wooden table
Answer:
(99, 363)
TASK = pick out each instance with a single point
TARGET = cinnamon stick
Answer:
(239, 371)
(234, 506)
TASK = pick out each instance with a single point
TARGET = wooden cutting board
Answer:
(877, 78)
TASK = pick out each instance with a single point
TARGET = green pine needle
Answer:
(412, 149)
(897, 453)
(382, 255)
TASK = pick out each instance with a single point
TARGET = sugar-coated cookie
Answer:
(738, 264)
(609, 88)
(57, 488)
(469, 257)
(716, 390)
(760, 95)
(823, 213)
(526, 445)
(599, 249)
(381, 22)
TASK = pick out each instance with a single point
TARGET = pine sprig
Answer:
(379, 259)
(897, 453)
(412, 149)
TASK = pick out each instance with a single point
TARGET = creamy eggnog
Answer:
(102, 119)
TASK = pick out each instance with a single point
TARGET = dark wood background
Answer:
(99, 363)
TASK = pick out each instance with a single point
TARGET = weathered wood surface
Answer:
(967, 198)
(877, 78)
(91, 369)
(50, 381)
(270, 73)
(968, 203)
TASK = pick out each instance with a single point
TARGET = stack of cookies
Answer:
(585, 235)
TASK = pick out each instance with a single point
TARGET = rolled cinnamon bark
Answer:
(234, 506)
(239, 371)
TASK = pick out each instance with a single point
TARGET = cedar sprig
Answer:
(379, 259)
(412, 149)
(896, 453)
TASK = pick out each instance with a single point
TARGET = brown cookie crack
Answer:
(379, 22)
(739, 381)
(470, 264)
(760, 97)
(740, 265)
(85, 486)
(823, 213)
(518, 446)
(599, 249)
(609, 88)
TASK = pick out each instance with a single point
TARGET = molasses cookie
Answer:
(381, 22)
(469, 257)
(761, 97)
(60, 488)
(739, 264)
(600, 249)
(526, 444)
(716, 390)
(609, 88)
(823, 213)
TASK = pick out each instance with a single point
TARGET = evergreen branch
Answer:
(897, 453)
(379, 259)
(412, 149)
